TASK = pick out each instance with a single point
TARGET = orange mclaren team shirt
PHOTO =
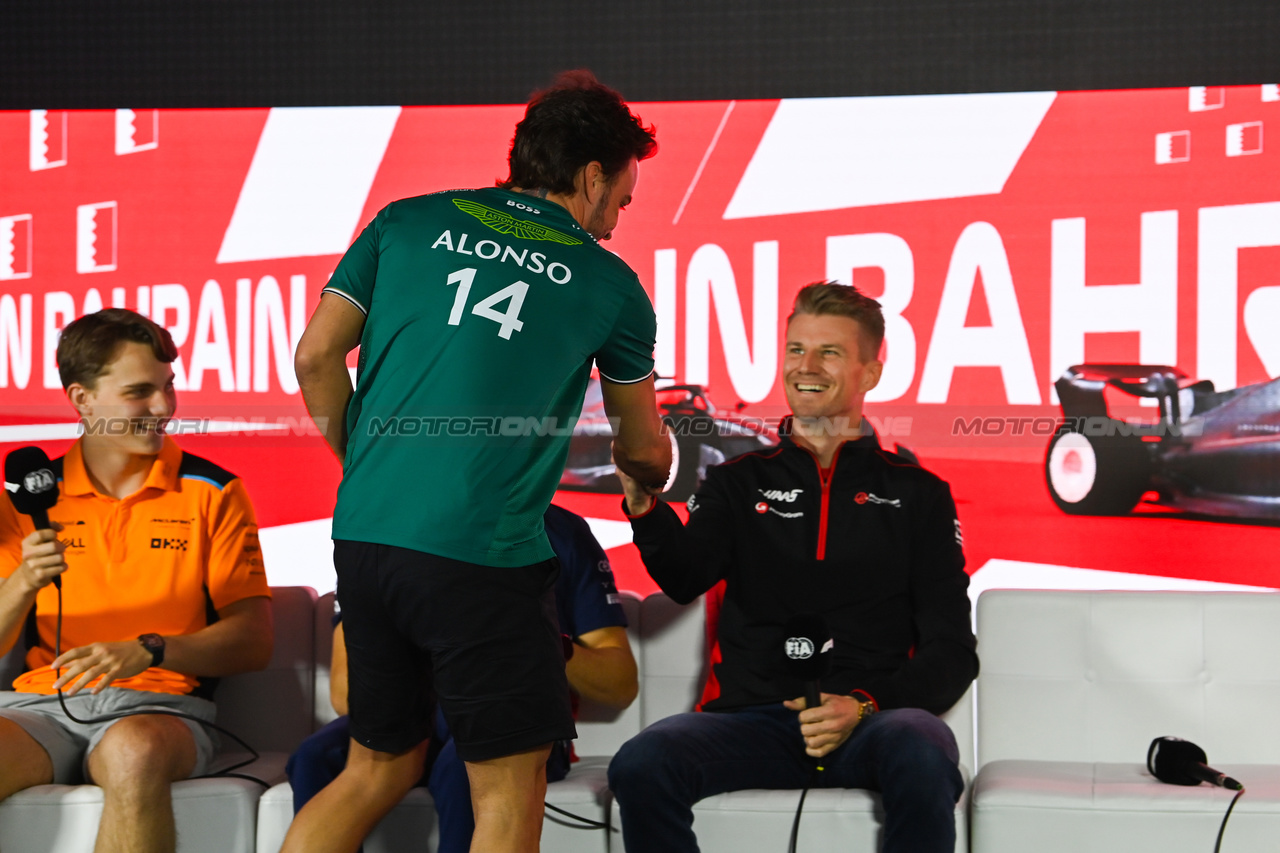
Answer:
(152, 562)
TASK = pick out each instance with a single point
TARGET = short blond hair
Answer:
(843, 300)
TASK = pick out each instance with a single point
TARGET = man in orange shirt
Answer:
(153, 542)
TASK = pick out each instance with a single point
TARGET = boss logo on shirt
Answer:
(167, 544)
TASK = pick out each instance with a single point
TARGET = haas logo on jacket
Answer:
(778, 495)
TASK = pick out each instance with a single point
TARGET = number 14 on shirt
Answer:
(508, 321)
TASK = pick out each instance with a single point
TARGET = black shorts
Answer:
(483, 641)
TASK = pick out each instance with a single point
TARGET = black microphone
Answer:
(32, 487)
(1181, 762)
(807, 654)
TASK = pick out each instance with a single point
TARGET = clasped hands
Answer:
(638, 496)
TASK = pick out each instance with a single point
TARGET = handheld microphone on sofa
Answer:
(1181, 762)
(807, 653)
(29, 480)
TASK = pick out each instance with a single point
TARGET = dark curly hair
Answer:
(574, 122)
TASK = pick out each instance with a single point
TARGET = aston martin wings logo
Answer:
(505, 223)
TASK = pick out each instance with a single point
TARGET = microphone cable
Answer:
(254, 755)
(227, 773)
(587, 823)
(1218, 844)
(804, 792)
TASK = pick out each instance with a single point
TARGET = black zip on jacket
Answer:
(874, 547)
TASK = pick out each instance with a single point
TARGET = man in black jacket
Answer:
(826, 524)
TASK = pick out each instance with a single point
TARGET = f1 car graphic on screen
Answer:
(699, 437)
(1210, 452)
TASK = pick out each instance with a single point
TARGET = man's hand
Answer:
(42, 559)
(121, 659)
(639, 498)
(641, 444)
(827, 726)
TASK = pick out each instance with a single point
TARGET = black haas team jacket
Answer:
(872, 544)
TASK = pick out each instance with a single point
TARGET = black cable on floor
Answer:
(1218, 844)
(795, 824)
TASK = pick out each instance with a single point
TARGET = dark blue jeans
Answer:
(908, 755)
(321, 757)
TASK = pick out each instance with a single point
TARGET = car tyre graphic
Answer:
(683, 480)
(1096, 475)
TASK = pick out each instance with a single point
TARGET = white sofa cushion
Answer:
(1074, 687)
(1069, 806)
(212, 815)
(675, 661)
(1094, 676)
(412, 825)
(833, 819)
(269, 709)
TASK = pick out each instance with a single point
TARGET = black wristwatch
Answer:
(153, 643)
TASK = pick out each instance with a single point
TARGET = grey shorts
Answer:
(69, 743)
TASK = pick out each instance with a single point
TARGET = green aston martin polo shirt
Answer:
(484, 312)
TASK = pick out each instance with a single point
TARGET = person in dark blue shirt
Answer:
(600, 667)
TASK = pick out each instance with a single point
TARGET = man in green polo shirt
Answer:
(479, 315)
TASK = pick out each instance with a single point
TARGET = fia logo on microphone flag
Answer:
(799, 648)
(39, 481)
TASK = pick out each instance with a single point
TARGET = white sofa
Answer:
(213, 815)
(1075, 685)
(669, 642)
(674, 645)
(412, 824)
